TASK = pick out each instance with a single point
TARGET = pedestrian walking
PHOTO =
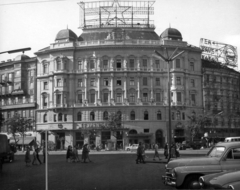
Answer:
(85, 153)
(139, 154)
(166, 150)
(35, 156)
(156, 154)
(27, 156)
(69, 154)
(76, 154)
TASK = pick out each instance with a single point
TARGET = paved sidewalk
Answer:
(182, 152)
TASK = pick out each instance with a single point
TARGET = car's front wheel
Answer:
(191, 182)
(128, 149)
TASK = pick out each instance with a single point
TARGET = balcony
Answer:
(26, 103)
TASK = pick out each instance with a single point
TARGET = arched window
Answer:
(58, 64)
(159, 115)
(105, 115)
(132, 131)
(132, 115)
(92, 116)
(146, 115)
(45, 118)
(79, 116)
(60, 117)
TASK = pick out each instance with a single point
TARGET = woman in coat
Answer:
(85, 153)
(27, 157)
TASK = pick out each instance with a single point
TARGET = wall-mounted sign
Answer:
(219, 52)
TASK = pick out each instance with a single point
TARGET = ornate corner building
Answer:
(18, 88)
(109, 68)
(221, 99)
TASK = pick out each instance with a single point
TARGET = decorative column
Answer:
(85, 64)
(99, 91)
(86, 90)
(112, 97)
(125, 64)
(138, 64)
(111, 64)
(138, 87)
(151, 64)
(151, 99)
(125, 89)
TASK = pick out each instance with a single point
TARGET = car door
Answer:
(231, 160)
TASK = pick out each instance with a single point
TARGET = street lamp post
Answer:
(168, 60)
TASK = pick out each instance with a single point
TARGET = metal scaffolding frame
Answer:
(116, 13)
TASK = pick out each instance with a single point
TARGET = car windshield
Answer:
(216, 151)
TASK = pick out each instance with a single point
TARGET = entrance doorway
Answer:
(60, 140)
(79, 140)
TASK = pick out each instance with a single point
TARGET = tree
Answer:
(114, 121)
(18, 124)
(197, 124)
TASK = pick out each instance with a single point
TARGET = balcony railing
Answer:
(18, 102)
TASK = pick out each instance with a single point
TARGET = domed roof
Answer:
(21, 57)
(66, 34)
(172, 33)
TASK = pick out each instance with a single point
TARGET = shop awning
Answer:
(140, 135)
(26, 141)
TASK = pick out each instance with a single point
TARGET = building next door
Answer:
(159, 138)
(60, 141)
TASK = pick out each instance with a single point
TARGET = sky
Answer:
(35, 23)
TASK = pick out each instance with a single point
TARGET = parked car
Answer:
(223, 180)
(131, 147)
(185, 145)
(197, 144)
(185, 172)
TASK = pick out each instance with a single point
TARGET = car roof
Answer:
(228, 144)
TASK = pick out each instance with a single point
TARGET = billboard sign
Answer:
(219, 52)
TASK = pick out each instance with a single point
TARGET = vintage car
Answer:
(223, 180)
(131, 147)
(185, 172)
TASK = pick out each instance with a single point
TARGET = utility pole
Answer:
(168, 60)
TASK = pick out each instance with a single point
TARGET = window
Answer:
(105, 97)
(80, 65)
(146, 130)
(119, 97)
(119, 82)
(145, 81)
(92, 116)
(92, 82)
(105, 115)
(8, 115)
(131, 81)
(24, 113)
(159, 115)
(144, 62)
(157, 64)
(191, 66)
(44, 100)
(92, 64)
(105, 81)
(145, 97)
(17, 85)
(54, 118)
(92, 97)
(60, 117)
(193, 99)
(65, 117)
(45, 68)
(178, 66)
(157, 81)
(192, 82)
(179, 97)
(234, 154)
(79, 98)
(17, 74)
(178, 115)
(31, 113)
(45, 118)
(79, 116)
(45, 85)
(178, 80)
(105, 64)
(80, 83)
(158, 97)
(59, 82)
(132, 115)
(119, 63)
(131, 63)
(173, 116)
(58, 64)
(145, 115)
(132, 97)
(58, 99)
(183, 116)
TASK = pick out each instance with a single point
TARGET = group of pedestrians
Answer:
(35, 156)
(72, 154)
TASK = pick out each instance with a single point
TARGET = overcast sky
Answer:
(35, 23)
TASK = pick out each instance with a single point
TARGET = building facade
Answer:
(221, 99)
(18, 89)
